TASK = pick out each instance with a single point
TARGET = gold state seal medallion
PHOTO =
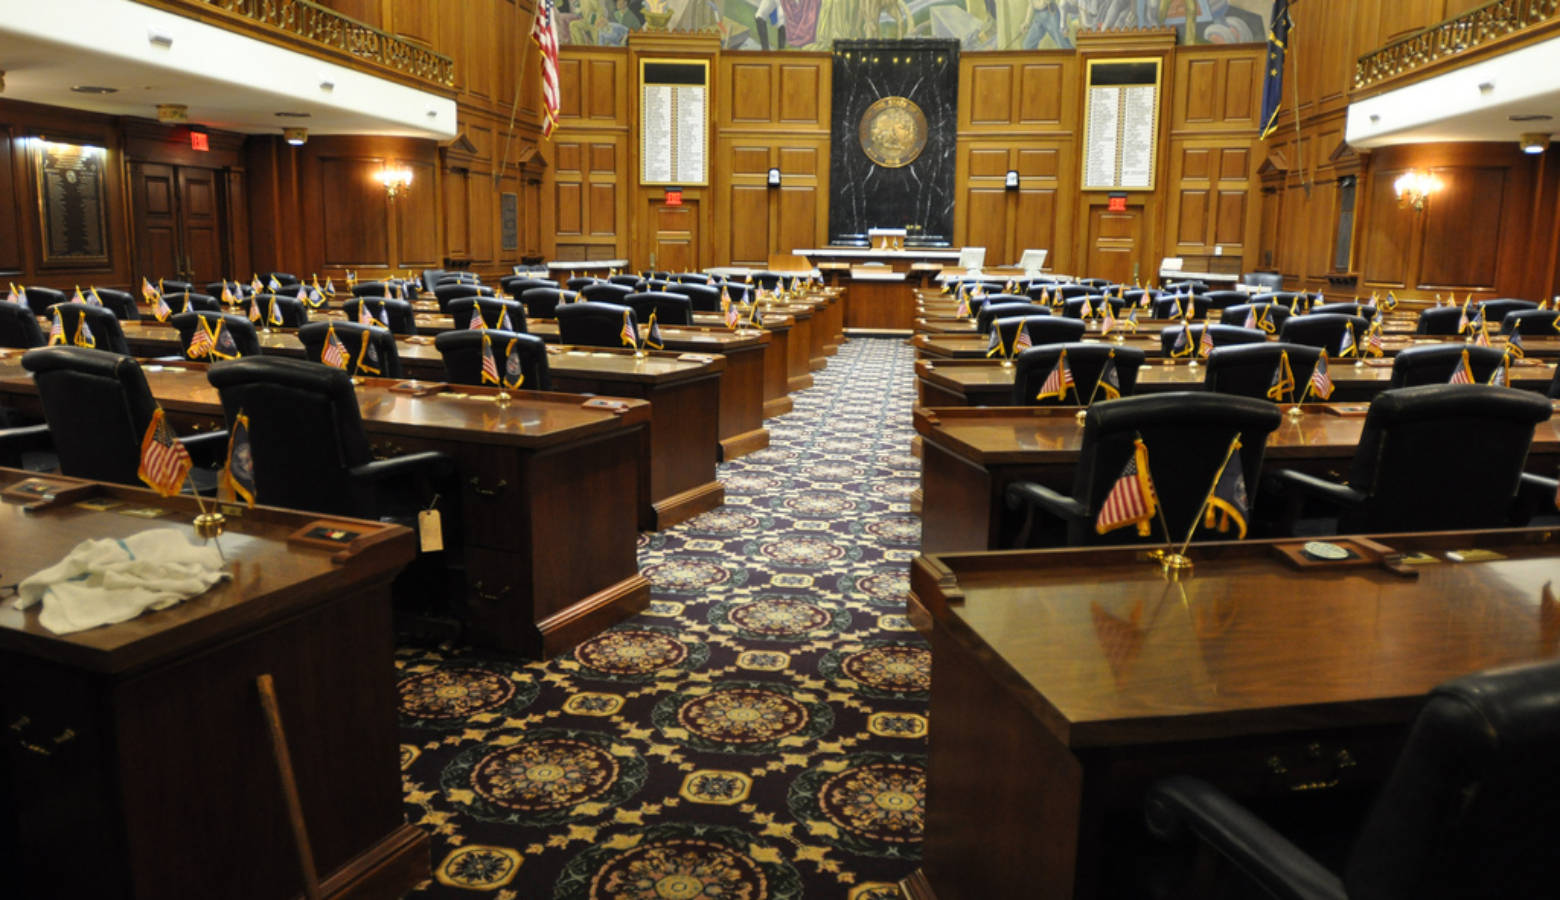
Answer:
(893, 132)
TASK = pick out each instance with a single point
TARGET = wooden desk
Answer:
(973, 346)
(137, 763)
(986, 382)
(970, 455)
(548, 495)
(1060, 695)
(879, 299)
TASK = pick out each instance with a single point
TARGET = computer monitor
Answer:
(1032, 261)
(972, 257)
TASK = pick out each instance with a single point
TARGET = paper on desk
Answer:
(101, 582)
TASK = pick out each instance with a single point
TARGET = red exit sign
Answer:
(199, 140)
(674, 198)
(1116, 203)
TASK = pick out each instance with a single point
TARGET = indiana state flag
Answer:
(1273, 76)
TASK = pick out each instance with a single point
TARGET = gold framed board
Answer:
(72, 203)
(674, 122)
(1121, 124)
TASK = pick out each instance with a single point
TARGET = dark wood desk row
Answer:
(137, 763)
(974, 346)
(1060, 696)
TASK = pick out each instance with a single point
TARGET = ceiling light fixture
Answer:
(93, 89)
(1533, 142)
(292, 115)
(295, 136)
(1530, 117)
(173, 113)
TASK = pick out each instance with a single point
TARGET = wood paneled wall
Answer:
(589, 187)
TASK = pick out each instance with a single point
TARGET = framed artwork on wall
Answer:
(72, 197)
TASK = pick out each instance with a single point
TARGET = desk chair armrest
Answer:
(430, 463)
(1535, 497)
(1178, 805)
(208, 449)
(1330, 491)
(1038, 497)
(23, 439)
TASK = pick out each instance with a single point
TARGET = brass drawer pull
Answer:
(476, 486)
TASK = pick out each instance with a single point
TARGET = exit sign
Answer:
(1116, 203)
(199, 140)
(674, 198)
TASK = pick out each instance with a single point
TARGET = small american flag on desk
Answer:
(164, 461)
(1131, 500)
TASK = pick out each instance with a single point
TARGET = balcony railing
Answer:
(331, 29)
(1485, 25)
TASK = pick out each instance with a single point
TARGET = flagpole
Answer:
(1082, 413)
(1207, 498)
(514, 108)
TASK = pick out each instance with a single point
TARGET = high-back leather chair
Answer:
(692, 278)
(120, 303)
(444, 293)
(1530, 321)
(190, 301)
(41, 298)
(1173, 306)
(285, 279)
(1247, 370)
(991, 312)
(461, 277)
(19, 327)
(99, 406)
(515, 285)
(380, 289)
(238, 289)
(605, 292)
(1300, 300)
(293, 312)
(234, 335)
(669, 309)
(1325, 330)
(104, 325)
(594, 324)
(1470, 809)
(1439, 320)
(1271, 280)
(1496, 310)
(175, 286)
(307, 443)
(736, 290)
(1087, 364)
(430, 278)
(581, 282)
(1042, 330)
(1185, 284)
(382, 354)
(703, 297)
(495, 313)
(1414, 366)
(767, 280)
(1363, 310)
(543, 303)
(397, 315)
(1223, 336)
(1402, 479)
(1096, 282)
(1073, 308)
(1224, 299)
(462, 352)
(625, 280)
(1187, 435)
(1275, 315)
(1069, 291)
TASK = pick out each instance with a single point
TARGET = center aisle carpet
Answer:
(758, 734)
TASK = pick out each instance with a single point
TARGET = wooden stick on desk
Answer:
(273, 721)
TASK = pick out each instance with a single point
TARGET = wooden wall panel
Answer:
(355, 227)
(586, 192)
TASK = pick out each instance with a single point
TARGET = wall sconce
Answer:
(295, 136)
(1414, 188)
(774, 177)
(1534, 143)
(396, 181)
(1011, 182)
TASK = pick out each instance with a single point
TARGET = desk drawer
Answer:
(492, 509)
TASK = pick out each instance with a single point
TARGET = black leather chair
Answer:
(515, 285)
(504, 315)
(663, 285)
(444, 293)
(1271, 280)
(669, 309)
(594, 324)
(1097, 282)
(1495, 311)
(1439, 320)
(235, 335)
(1225, 299)
(769, 280)
(703, 297)
(1186, 284)
(1073, 309)
(1069, 291)
(1401, 479)
(380, 289)
(1275, 315)
(310, 452)
(190, 301)
(605, 292)
(381, 354)
(174, 286)
(1187, 435)
(1173, 306)
(1414, 366)
(736, 290)
(625, 280)
(1247, 370)
(237, 288)
(1325, 330)
(542, 303)
(430, 278)
(1134, 297)
(990, 312)
(692, 278)
(121, 303)
(1530, 322)
(285, 279)
(1470, 809)
(19, 327)
(461, 277)
(462, 352)
(1363, 310)
(1042, 329)
(99, 407)
(104, 326)
(397, 315)
(1299, 300)
(1223, 336)
(1087, 364)
(41, 298)
(293, 312)
(581, 282)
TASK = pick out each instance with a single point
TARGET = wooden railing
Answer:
(1475, 28)
(330, 30)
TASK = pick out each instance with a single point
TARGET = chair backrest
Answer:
(98, 407)
(669, 308)
(1096, 282)
(1223, 336)
(1325, 330)
(1438, 320)
(692, 278)
(1530, 321)
(121, 303)
(1134, 297)
(191, 301)
(581, 282)
(234, 335)
(625, 280)
(1300, 300)
(1420, 470)
(1187, 435)
(41, 298)
(594, 324)
(305, 431)
(1414, 366)
(1248, 370)
(1042, 330)
(1265, 279)
(504, 315)
(736, 290)
(515, 285)
(430, 278)
(1273, 314)
(102, 325)
(1069, 291)
(605, 292)
(379, 289)
(1496, 310)
(368, 347)
(992, 311)
(294, 312)
(462, 352)
(1173, 306)
(285, 279)
(1087, 364)
(1073, 308)
(444, 293)
(1363, 310)
(767, 280)
(457, 278)
(395, 314)
(19, 326)
(1224, 299)
(704, 297)
(174, 286)
(543, 302)
(1472, 808)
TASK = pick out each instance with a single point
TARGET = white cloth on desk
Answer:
(105, 581)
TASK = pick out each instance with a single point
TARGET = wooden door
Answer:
(1114, 241)
(200, 225)
(675, 239)
(155, 197)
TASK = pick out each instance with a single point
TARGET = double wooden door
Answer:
(181, 223)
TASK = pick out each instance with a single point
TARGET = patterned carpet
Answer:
(758, 734)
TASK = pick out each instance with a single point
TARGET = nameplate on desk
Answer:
(417, 388)
(696, 357)
(37, 493)
(328, 534)
(614, 406)
(1348, 410)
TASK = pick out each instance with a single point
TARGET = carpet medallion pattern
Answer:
(759, 733)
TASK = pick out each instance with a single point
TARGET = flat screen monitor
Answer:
(972, 257)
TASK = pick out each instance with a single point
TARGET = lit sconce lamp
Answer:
(1414, 188)
(396, 181)
(295, 136)
(1534, 143)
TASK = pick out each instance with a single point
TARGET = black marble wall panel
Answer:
(918, 196)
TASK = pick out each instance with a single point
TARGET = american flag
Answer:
(1086, 310)
(1205, 346)
(476, 322)
(227, 296)
(489, 364)
(78, 298)
(161, 310)
(1482, 339)
(628, 335)
(544, 30)
(255, 314)
(200, 345)
(962, 310)
(1463, 374)
(1462, 321)
(56, 330)
(1131, 500)
(335, 352)
(1251, 317)
(733, 316)
(164, 461)
(1022, 341)
(1374, 340)
(1108, 322)
(148, 293)
(1059, 381)
(1321, 383)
